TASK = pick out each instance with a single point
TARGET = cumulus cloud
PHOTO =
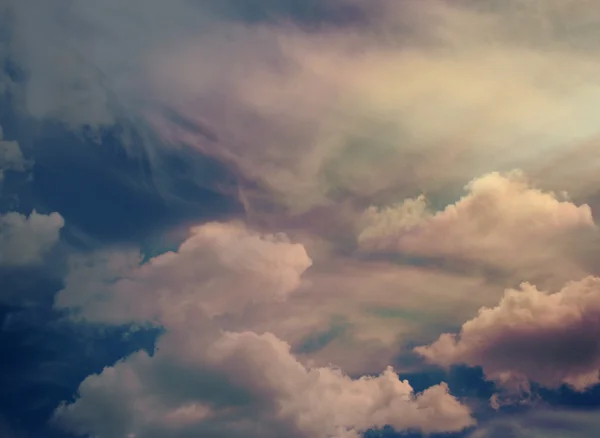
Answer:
(226, 273)
(205, 378)
(250, 384)
(220, 268)
(531, 335)
(503, 221)
(11, 157)
(24, 240)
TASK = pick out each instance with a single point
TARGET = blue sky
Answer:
(318, 219)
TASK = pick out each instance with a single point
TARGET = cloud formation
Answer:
(24, 240)
(532, 335)
(219, 269)
(11, 157)
(249, 384)
(409, 97)
(262, 389)
(309, 112)
(503, 222)
(226, 273)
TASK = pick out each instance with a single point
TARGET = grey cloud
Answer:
(24, 240)
(264, 391)
(11, 157)
(531, 335)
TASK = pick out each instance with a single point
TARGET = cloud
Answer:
(359, 315)
(315, 110)
(220, 268)
(531, 335)
(11, 157)
(250, 384)
(228, 275)
(370, 128)
(503, 221)
(24, 240)
(402, 96)
(214, 369)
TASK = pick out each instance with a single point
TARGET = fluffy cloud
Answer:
(249, 384)
(26, 239)
(548, 338)
(359, 314)
(11, 157)
(202, 379)
(220, 268)
(324, 402)
(503, 222)
(229, 274)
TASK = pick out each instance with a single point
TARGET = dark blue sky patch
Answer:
(389, 432)
(105, 193)
(567, 397)
(463, 381)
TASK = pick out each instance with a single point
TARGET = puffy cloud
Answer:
(324, 402)
(25, 240)
(11, 157)
(248, 384)
(503, 221)
(220, 268)
(531, 335)
(231, 274)
(205, 381)
(359, 314)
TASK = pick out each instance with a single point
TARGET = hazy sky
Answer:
(299, 218)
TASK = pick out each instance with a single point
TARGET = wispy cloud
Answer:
(414, 96)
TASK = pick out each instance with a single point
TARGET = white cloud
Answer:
(548, 338)
(263, 391)
(25, 240)
(220, 268)
(324, 402)
(503, 222)
(202, 378)
(247, 281)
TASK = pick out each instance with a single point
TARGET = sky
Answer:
(299, 218)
